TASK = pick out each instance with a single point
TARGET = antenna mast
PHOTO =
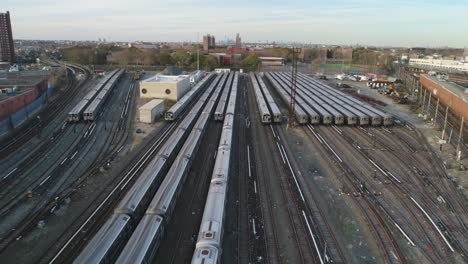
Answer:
(292, 105)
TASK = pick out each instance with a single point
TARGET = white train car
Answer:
(76, 113)
(210, 235)
(362, 117)
(174, 112)
(93, 109)
(101, 248)
(265, 115)
(144, 242)
(376, 116)
(219, 112)
(314, 116)
(301, 116)
(165, 199)
(349, 117)
(111, 237)
(276, 113)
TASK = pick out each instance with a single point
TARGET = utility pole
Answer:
(429, 104)
(198, 53)
(436, 111)
(292, 105)
(459, 139)
(445, 122)
(424, 102)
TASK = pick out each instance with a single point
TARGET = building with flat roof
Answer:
(165, 87)
(238, 41)
(150, 111)
(450, 94)
(7, 48)
(439, 65)
(208, 42)
(272, 61)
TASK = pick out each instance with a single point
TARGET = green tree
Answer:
(209, 62)
(182, 59)
(165, 59)
(250, 63)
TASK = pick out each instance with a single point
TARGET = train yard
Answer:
(224, 180)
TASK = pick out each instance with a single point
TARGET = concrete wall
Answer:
(447, 98)
(14, 104)
(13, 121)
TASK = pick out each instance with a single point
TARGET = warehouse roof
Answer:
(172, 70)
(456, 89)
(152, 104)
(165, 79)
(270, 58)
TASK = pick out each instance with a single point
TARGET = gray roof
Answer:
(172, 70)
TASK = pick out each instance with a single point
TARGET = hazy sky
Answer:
(372, 22)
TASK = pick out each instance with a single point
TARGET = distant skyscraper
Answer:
(7, 49)
(208, 42)
(238, 41)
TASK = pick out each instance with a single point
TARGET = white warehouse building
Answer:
(149, 112)
(165, 87)
(445, 65)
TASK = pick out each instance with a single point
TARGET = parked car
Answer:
(340, 77)
(342, 85)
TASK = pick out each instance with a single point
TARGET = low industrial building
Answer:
(19, 89)
(450, 94)
(440, 65)
(272, 61)
(165, 87)
(150, 111)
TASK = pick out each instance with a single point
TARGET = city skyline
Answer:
(346, 22)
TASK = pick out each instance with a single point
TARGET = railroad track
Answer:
(70, 244)
(16, 190)
(184, 224)
(423, 179)
(272, 180)
(369, 206)
(405, 221)
(426, 164)
(37, 185)
(250, 246)
(323, 229)
(270, 221)
(97, 213)
(52, 109)
(297, 221)
(41, 189)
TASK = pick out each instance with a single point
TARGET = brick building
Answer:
(7, 49)
(209, 42)
(449, 94)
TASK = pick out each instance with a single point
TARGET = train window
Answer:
(144, 91)
(168, 91)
